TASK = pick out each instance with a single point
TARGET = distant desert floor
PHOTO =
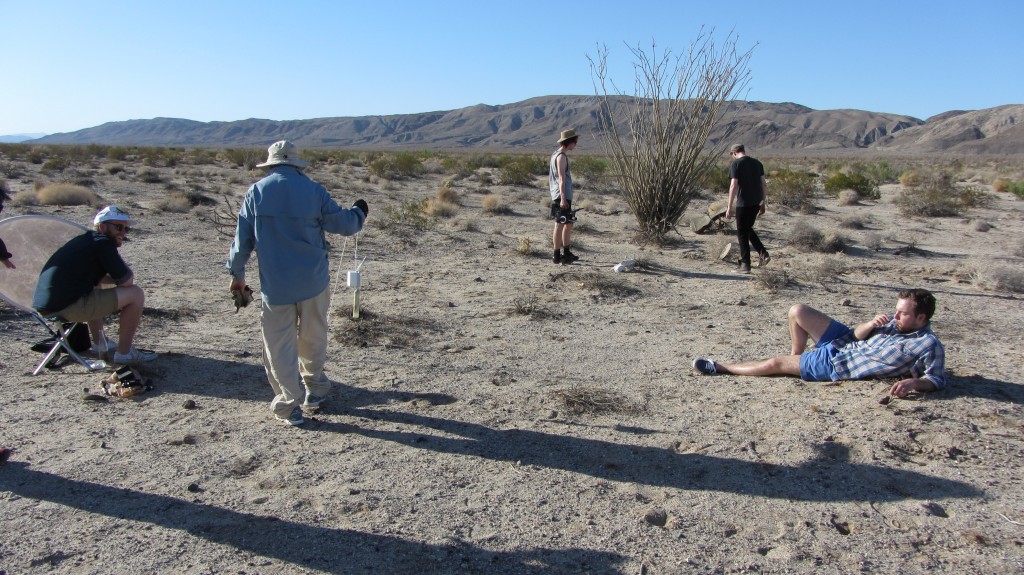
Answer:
(496, 413)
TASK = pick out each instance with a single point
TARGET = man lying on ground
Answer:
(901, 346)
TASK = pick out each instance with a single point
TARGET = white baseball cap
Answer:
(112, 214)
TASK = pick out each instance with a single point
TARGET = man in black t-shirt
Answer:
(73, 286)
(748, 198)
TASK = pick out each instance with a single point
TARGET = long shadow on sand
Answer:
(309, 546)
(829, 477)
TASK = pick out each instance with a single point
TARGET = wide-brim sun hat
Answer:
(112, 214)
(566, 134)
(283, 152)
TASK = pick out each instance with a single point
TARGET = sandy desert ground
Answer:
(495, 413)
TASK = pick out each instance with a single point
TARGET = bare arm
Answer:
(734, 188)
(903, 387)
(764, 196)
(562, 162)
(863, 330)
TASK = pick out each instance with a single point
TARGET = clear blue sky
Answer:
(73, 64)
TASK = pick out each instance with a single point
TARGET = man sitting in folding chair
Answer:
(86, 280)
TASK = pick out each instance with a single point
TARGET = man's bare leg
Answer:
(804, 322)
(130, 300)
(780, 365)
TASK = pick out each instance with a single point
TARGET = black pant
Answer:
(745, 217)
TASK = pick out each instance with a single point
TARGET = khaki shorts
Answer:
(97, 304)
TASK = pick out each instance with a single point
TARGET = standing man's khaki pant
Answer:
(295, 350)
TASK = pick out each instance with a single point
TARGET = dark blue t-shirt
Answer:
(75, 269)
(748, 172)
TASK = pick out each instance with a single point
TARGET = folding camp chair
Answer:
(32, 240)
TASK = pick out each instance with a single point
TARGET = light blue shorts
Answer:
(816, 365)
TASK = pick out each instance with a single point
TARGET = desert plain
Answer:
(494, 412)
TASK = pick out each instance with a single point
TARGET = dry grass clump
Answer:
(825, 270)
(495, 205)
(848, 198)
(377, 329)
(772, 279)
(440, 208)
(794, 189)
(66, 195)
(981, 226)
(808, 238)
(852, 222)
(525, 246)
(1001, 185)
(25, 198)
(580, 399)
(527, 305)
(446, 193)
(873, 241)
(1000, 278)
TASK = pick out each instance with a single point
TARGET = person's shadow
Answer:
(311, 547)
(832, 476)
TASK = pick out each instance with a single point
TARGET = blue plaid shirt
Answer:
(889, 353)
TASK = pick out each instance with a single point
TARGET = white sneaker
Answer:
(102, 348)
(134, 355)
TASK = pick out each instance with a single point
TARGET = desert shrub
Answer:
(149, 176)
(937, 195)
(910, 178)
(873, 241)
(244, 157)
(409, 213)
(1000, 278)
(1017, 189)
(848, 198)
(56, 164)
(176, 203)
(65, 195)
(807, 238)
(981, 226)
(590, 167)
(395, 166)
(25, 198)
(824, 270)
(524, 247)
(717, 180)
(793, 189)
(440, 208)
(10, 170)
(113, 169)
(1001, 185)
(117, 153)
(446, 193)
(520, 170)
(879, 172)
(853, 222)
(859, 183)
(772, 279)
(494, 204)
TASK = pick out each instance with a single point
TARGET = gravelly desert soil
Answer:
(454, 441)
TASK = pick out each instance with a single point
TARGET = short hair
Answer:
(737, 148)
(924, 301)
(571, 141)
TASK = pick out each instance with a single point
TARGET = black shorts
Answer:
(562, 216)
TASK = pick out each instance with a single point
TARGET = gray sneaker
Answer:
(313, 403)
(705, 366)
(293, 419)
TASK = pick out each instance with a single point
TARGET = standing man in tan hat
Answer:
(560, 185)
(285, 217)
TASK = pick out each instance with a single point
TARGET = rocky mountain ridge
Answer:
(533, 124)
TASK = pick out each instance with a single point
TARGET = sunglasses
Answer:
(120, 227)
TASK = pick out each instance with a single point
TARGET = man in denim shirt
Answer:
(901, 346)
(285, 217)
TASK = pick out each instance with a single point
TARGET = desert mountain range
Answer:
(533, 124)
